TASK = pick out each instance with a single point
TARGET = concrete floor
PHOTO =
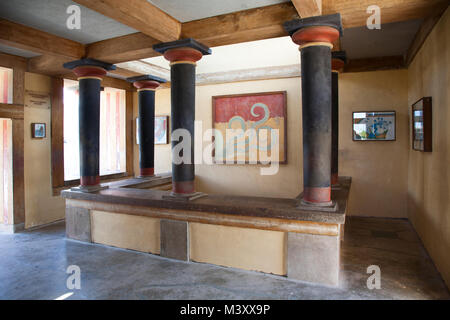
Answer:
(33, 266)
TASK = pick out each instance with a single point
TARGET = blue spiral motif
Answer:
(242, 146)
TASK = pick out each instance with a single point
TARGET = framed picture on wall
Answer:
(422, 125)
(38, 130)
(161, 130)
(260, 124)
(374, 126)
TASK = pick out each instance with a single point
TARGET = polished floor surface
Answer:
(33, 265)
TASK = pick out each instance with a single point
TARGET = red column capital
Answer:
(146, 85)
(86, 72)
(315, 35)
(183, 55)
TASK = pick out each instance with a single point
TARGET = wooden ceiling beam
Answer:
(354, 12)
(23, 37)
(258, 24)
(121, 49)
(13, 62)
(107, 82)
(375, 64)
(53, 66)
(140, 15)
(249, 25)
(308, 8)
(49, 65)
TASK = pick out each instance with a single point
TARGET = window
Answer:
(112, 131)
(6, 176)
(6, 85)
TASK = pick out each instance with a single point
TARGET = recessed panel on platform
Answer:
(250, 249)
(126, 231)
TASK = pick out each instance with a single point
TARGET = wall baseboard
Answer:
(44, 225)
(11, 228)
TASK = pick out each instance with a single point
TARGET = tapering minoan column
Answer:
(183, 55)
(146, 86)
(89, 73)
(315, 36)
(337, 64)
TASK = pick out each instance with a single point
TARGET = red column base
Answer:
(147, 172)
(89, 180)
(317, 195)
(183, 187)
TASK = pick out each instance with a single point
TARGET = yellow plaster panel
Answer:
(249, 249)
(41, 206)
(125, 231)
(428, 172)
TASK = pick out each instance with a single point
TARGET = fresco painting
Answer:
(263, 113)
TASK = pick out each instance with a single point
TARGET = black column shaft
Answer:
(316, 96)
(183, 116)
(146, 132)
(89, 124)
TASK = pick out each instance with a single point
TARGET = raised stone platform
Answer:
(264, 234)
(142, 183)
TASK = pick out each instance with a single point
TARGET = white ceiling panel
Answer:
(50, 16)
(190, 10)
(249, 55)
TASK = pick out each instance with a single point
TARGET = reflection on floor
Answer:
(33, 266)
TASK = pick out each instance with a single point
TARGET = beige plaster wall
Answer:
(237, 179)
(429, 173)
(41, 206)
(250, 249)
(246, 179)
(379, 169)
(126, 231)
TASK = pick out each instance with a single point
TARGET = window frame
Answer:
(15, 112)
(10, 86)
(57, 133)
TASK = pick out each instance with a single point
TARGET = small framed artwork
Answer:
(38, 130)
(374, 126)
(422, 125)
(161, 129)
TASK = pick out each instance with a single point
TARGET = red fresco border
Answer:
(228, 107)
